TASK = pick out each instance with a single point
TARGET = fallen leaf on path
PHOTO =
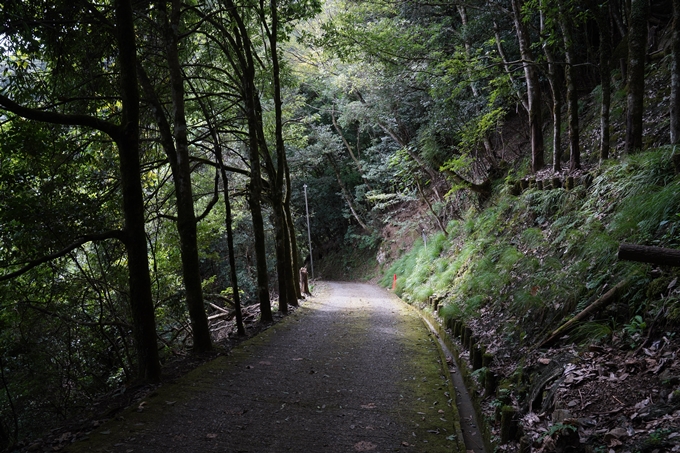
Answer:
(364, 446)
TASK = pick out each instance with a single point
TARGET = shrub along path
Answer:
(354, 369)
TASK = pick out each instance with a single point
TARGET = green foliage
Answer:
(592, 332)
(542, 257)
(634, 330)
(558, 428)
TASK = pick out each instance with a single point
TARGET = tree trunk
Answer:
(255, 204)
(284, 257)
(293, 244)
(126, 137)
(181, 172)
(240, 328)
(602, 15)
(277, 220)
(441, 226)
(572, 95)
(553, 80)
(141, 301)
(253, 114)
(290, 228)
(607, 298)
(294, 283)
(533, 88)
(675, 76)
(506, 67)
(637, 51)
(228, 220)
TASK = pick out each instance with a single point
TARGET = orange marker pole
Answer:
(394, 282)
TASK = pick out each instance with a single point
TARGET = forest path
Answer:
(353, 369)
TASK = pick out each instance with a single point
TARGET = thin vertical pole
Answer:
(309, 234)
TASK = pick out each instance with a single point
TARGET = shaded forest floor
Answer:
(603, 397)
(111, 405)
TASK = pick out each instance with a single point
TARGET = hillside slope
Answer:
(512, 270)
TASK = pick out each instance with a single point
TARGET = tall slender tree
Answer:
(532, 84)
(565, 18)
(604, 30)
(637, 53)
(554, 80)
(174, 139)
(675, 76)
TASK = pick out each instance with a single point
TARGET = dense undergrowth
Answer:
(519, 267)
(544, 255)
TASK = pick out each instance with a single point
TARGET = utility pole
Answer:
(309, 234)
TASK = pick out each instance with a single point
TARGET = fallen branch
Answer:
(607, 298)
(648, 254)
(222, 315)
(220, 297)
(218, 308)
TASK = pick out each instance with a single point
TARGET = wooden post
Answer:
(304, 282)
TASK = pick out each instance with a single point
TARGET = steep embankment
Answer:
(510, 274)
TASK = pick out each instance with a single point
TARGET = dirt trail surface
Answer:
(353, 369)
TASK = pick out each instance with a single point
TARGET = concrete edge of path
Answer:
(463, 375)
(442, 359)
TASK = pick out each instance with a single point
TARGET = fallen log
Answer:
(607, 298)
(647, 254)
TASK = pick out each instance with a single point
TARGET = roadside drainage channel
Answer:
(475, 435)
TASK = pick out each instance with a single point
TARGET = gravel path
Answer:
(354, 369)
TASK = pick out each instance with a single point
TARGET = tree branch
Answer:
(113, 234)
(112, 130)
(214, 199)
